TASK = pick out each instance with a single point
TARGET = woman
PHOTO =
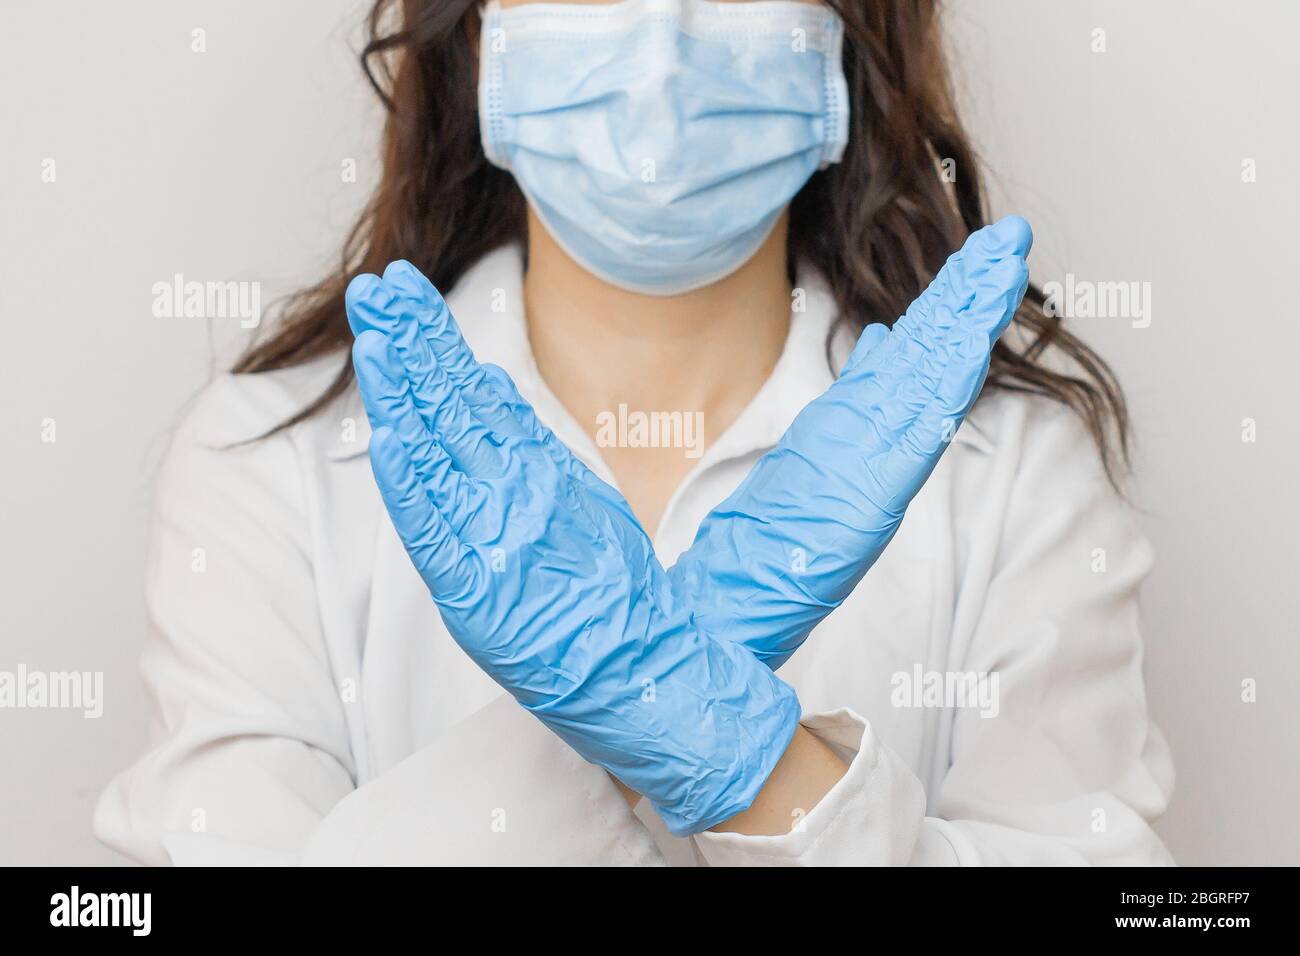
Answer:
(719, 198)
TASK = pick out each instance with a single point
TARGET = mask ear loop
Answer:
(491, 120)
(837, 95)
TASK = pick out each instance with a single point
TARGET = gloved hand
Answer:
(556, 594)
(407, 308)
(793, 541)
(816, 512)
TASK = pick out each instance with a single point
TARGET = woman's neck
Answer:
(703, 354)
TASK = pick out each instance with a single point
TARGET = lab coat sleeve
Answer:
(251, 760)
(1070, 770)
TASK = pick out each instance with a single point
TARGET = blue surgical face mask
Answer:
(658, 141)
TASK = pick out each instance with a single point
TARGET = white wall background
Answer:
(226, 165)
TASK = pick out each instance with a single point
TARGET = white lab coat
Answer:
(311, 707)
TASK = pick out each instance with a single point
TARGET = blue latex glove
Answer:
(556, 594)
(817, 511)
(791, 543)
(405, 306)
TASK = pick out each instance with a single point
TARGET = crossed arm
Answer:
(546, 580)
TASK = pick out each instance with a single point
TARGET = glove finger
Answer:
(447, 567)
(439, 342)
(475, 448)
(497, 379)
(517, 407)
(437, 326)
(986, 261)
(375, 305)
(913, 335)
(911, 460)
(999, 288)
(999, 295)
(982, 303)
(870, 340)
(370, 305)
(995, 293)
(896, 394)
(1009, 237)
(386, 393)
